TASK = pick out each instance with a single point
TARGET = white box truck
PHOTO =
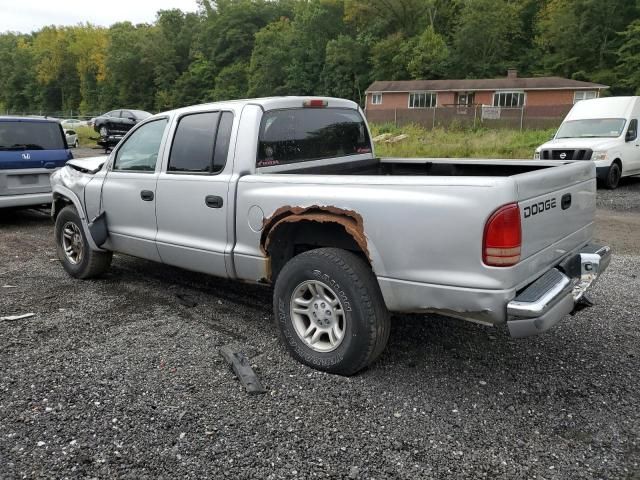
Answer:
(604, 130)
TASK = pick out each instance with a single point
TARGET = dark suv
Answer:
(30, 150)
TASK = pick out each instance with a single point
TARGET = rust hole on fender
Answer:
(350, 220)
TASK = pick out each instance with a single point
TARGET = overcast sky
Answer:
(29, 15)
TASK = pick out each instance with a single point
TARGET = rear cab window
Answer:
(305, 134)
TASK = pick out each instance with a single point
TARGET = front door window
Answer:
(139, 152)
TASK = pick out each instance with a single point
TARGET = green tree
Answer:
(346, 70)
(430, 56)
(390, 57)
(629, 59)
(269, 60)
(232, 82)
(580, 38)
(485, 37)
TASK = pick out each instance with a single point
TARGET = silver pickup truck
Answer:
(288, 191)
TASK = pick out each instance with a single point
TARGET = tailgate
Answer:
(24, 172)
(555, 203)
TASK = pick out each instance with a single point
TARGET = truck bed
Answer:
(449, 167)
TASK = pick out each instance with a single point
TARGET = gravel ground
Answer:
(116, 378)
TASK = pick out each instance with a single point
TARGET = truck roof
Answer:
(608, 107)
(269, 103)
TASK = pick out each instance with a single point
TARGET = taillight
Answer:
(502, 239)
(315, 103)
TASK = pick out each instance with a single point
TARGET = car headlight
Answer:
(596, 156)
(536, 155)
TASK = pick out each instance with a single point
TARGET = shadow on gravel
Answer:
(23, 217)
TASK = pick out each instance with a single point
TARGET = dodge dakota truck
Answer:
(289, 192)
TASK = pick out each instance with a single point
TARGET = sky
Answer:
(29, 15)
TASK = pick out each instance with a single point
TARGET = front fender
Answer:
(60, 191)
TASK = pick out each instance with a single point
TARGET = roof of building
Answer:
(505, 83)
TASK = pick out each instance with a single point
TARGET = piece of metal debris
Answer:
(186, 300)
(241, 367)
(10, 318)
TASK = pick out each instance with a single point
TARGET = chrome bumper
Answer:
(558, 292)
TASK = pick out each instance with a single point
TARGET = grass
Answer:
(84, 136)
(441, 143)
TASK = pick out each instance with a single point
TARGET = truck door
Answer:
(631, 149)
(129, 191)
(193, 191)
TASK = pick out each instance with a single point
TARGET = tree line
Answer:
(244, 48)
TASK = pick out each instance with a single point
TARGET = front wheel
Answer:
(74, 252)
(330, 312)
(613, 176)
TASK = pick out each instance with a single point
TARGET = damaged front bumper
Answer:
(557, 293)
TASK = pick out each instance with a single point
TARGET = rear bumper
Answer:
(558, 292)
(25, 200)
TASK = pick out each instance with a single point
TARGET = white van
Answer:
(604, 130)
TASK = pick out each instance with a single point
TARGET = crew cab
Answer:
(30, 150)
(604, 130)
(288, 191)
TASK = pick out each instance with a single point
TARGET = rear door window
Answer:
(26, 135)
(303, 134)
(201, 143)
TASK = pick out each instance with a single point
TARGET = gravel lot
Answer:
(116, 378)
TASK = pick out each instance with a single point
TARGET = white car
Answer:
(604, 130)
(72, 138)
(73, 123)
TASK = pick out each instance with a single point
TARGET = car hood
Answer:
(88, 165)
(581, 143)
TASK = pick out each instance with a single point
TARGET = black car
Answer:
(118, 122)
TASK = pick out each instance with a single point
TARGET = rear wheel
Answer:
(330, 311)
(77, 257)
(613, 176)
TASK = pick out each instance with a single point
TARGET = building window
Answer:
(376, 99)
(584, 95)
(508, 99)
(422, 100)
(465, 99)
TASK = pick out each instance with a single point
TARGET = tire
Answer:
(103, 131)
(613, 176)
(76, 144)
(353, 330)
(80, 261)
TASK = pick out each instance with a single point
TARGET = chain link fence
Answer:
(474, 116)
(60, 114)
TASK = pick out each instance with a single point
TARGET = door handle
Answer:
(146, 195)
(213, 201)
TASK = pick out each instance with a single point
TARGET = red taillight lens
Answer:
(502, 237)
(314, 103)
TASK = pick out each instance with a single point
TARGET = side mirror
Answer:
(133, 119)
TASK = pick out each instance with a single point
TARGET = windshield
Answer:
(26, 135)
(592, 128)
(303, 134)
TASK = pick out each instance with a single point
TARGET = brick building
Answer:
(510, 91)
